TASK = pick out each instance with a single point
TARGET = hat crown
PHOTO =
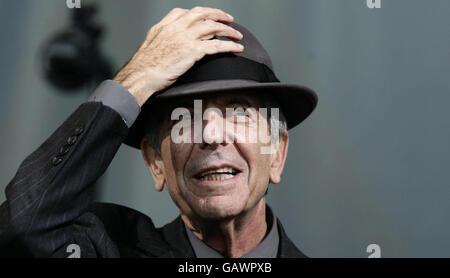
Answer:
(253, 63)
(253, 49)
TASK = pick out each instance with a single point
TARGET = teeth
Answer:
(217, 177)
(226, 170)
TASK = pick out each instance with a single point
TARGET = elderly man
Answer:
(200, 123)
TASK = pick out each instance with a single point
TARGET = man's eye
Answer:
(240, 115)
(239, 111)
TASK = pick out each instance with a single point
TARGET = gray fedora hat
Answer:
(250, 71)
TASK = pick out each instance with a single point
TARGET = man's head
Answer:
(227, 172)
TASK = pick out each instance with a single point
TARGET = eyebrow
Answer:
(238, 100)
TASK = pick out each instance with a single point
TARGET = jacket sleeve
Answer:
(53, 186)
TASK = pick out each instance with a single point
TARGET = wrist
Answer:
(136, 86)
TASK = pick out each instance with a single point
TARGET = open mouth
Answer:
(220, 174)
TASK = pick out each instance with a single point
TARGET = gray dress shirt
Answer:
(112, 94)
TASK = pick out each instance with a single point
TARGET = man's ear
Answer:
(154, 164)
(279, 158)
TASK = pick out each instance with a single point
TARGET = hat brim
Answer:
(297, 102)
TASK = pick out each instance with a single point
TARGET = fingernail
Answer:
(240, 34)
(230, 16)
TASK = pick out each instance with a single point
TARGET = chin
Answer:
(219, 208)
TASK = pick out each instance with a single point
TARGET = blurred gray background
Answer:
(371, 164)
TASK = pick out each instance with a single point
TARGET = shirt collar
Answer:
(268, 248)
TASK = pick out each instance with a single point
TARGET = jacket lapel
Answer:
(286, 248)
(175, 235)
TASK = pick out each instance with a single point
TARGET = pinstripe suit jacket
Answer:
(49, 201)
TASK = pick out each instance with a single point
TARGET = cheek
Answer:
(175, 157)
(180, 155)
(258, 164)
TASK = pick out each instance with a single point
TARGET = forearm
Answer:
(53, 185)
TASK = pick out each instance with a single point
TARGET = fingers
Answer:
(208, 29)
(210, 47)
(173, 15)
(203, 13)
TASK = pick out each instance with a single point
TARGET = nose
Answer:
(213, 128)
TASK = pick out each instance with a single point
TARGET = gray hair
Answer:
(273, 122)
(153, 136)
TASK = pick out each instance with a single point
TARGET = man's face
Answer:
(229, 174)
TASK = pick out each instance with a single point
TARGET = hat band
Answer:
(224, 67)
